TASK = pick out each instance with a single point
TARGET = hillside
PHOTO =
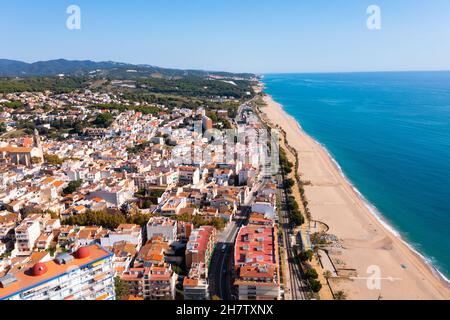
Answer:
(109, 69)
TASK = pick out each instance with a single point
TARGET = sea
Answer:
(389, 132)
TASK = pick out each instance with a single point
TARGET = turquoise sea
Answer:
(390, 134)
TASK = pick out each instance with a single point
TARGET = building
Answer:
(151, 277)
(162, 226)
(116, 193)
(259, 219)
(159, 282)
(207, 123)
(27, 233)
(156, 282)
(131, 233)
(134, 277)
(153, 252)
(267, 208)
(124, 253)
(195, 285)
(173, 206)
(85, 275)
(8, 222)
(200, 246)
(25, 155)
(256, 263)
(199, 250)
(188, 175)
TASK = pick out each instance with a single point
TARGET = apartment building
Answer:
(162, 226)
(200, 246)
(173, 206)
(199, 251)
(195, 285)
(159, 282)
(130, 233)
(256, 263)
(188, 175)
(8, 222)
(27, 233)
(151, 277)
(85, 275)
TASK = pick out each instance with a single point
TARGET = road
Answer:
(297, 288)
(221, 268)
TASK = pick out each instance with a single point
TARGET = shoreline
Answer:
(379, 216)
(374, 210)
(422, 281)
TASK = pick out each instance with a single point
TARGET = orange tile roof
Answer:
(133, 298)
(58, 183)
(79, 208)
(190, 282)
(15, 149)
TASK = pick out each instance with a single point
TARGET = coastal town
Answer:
(194, 188)
(145, 202)
(219, 159)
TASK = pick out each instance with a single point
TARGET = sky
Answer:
(264, 36)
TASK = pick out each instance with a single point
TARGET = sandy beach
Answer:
(366, 244)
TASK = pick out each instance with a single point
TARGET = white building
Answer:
(189, 175)
(268, 209)
(162, 226)
(130, 233)
(27, 234)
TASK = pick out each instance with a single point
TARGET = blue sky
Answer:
(235, 35)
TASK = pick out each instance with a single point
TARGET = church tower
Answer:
(37, 146)
(36, 139)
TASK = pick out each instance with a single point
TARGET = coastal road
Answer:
(297, 288)
(221, 271)
(221, 267)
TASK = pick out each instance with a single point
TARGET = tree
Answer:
(289, 183)
(306, 255)
(327, 274)
(146, 204)
(36, 160)
(121, 288)
(199, 221)
(100, 218)
(340, 295)
(311, 274)
(72, 187)
(218, 223)
(315, 285)
(53, 159)
(139, 219)
(103, 120)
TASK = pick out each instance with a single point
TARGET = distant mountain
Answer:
(13, 68)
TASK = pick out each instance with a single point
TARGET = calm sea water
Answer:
(390, 133)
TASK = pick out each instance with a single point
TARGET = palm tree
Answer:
(340, 295)
(327, 274)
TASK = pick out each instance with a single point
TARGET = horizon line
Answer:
(237, 72)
